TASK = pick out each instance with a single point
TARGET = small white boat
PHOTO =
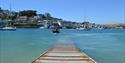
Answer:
(42, 27)
(8, 28)
(80, 28)
(85, 29)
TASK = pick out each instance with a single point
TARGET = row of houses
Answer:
(43, 20)
(38, 21)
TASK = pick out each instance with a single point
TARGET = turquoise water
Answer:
(24, 45)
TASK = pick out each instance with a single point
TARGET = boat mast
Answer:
(0, 3)
(10, 10)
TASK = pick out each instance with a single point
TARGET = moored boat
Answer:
(56, 26)
(8, 28)
(55, 31)
(84, 29)
(41, 27)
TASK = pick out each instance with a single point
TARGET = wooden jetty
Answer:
(64, 53)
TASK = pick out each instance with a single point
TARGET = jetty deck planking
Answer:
(64, 53)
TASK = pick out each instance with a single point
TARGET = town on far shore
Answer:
(30, 19)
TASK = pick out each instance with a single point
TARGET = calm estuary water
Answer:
(24, 45)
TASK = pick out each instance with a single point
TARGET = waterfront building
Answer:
(21, 19)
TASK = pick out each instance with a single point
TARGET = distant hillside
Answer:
(118, 25)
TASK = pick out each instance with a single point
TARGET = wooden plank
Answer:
(64, 53)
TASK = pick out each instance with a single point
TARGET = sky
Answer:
(95, 11)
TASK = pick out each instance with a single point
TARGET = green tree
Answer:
(12, 17)
(47, 16)
(1, 10)
(28, 13)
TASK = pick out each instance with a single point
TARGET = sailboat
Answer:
(85, 27)
(8, 26)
